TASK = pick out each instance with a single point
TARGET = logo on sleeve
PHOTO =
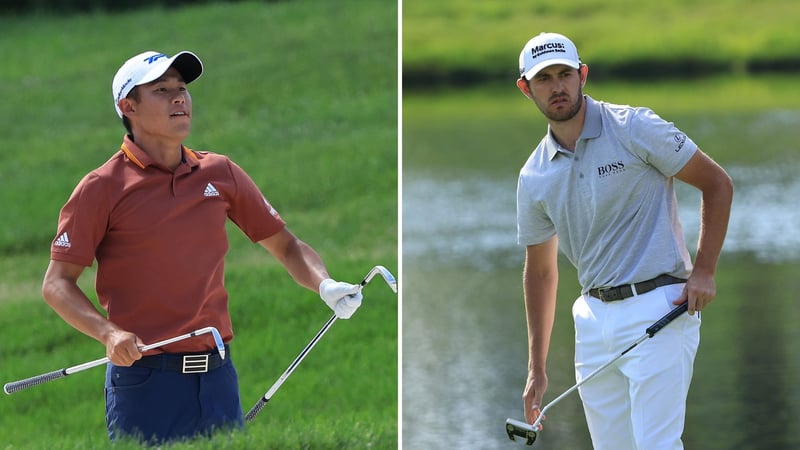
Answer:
(62, 241)
(680, 139)
(272, 210)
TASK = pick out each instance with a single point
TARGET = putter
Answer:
(529, 431)
(17, 386)
(377, 270)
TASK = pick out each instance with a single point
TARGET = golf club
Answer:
(529, 432)
(377, 270)
(15, 386)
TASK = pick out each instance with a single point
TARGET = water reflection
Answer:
(450, 218)
(464, 341)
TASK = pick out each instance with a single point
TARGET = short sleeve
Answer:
(533, 224)
(250, 210)
(660, 143)
(82, 223)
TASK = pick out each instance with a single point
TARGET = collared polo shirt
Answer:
(159, 239)
(612, 201)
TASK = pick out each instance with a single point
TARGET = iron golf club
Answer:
(377, 270)
(529, 431)
(16, 386)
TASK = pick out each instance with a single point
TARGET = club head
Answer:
(520, 429)
(218, 340)
(385, 274)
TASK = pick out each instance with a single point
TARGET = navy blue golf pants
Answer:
(156, 406)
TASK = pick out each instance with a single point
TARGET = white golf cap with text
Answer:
(545, 50)
(148, 66)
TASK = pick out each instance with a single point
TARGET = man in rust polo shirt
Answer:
(154, 216)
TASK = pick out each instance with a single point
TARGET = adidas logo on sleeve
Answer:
(62, 241)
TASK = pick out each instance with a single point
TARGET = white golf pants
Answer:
(638, 403)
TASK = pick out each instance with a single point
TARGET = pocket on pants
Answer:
(127, 378)
(671, 293)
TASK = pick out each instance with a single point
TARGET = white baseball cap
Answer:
(546, 50)
(148, 66)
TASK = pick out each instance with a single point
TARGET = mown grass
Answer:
(303, 95)
(485, 37)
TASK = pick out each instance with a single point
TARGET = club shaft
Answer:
(300, 358)
(274, 388)
(377, 270)
(16, 386)
(651, 331)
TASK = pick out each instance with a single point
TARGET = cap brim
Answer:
(550, 62)
(189, 65)
(186, 63)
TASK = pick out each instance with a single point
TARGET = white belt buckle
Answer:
(195, 363)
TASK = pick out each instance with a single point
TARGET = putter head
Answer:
(385, 274)
(520, 429)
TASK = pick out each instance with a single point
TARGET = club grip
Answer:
(662, 322)
(255, 410)
(16, 386)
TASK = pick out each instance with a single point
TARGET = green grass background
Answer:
(457, 128)
(446, 38)
(303, 95)
(457, 43)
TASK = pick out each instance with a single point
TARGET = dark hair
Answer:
(133, 94)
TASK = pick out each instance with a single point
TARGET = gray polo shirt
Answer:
(612, 202)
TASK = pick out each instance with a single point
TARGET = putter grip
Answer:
(16, 386)
(662, 322)
(255, 410)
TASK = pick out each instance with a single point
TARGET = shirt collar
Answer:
(137, 156)
(592, 127)
(593, 123)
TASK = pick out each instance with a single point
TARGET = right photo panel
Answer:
(599, 241)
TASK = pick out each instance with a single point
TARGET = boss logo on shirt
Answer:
(611, 169)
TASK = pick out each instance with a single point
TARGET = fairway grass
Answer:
(302, 95)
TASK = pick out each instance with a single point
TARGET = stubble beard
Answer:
(564, 115)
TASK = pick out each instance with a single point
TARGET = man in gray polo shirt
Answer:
(599, 187)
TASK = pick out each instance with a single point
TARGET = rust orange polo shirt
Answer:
(160, 240)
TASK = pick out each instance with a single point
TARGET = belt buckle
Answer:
(195, 363)
(600, 291)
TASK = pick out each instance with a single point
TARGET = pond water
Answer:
(464, 335)
(473, 220)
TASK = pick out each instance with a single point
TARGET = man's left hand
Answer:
(699, 291)
(343, 298)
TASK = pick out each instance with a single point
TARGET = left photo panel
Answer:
(200, 225)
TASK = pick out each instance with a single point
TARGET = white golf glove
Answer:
(343, 298)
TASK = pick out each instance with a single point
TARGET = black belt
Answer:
(612, 294)
(184, 362)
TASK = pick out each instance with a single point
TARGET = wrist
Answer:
(323, 284)
(107, 332)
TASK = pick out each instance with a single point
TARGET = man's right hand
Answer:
(532, 397)
(122, 348)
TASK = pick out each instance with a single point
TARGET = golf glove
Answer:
(343, 298)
